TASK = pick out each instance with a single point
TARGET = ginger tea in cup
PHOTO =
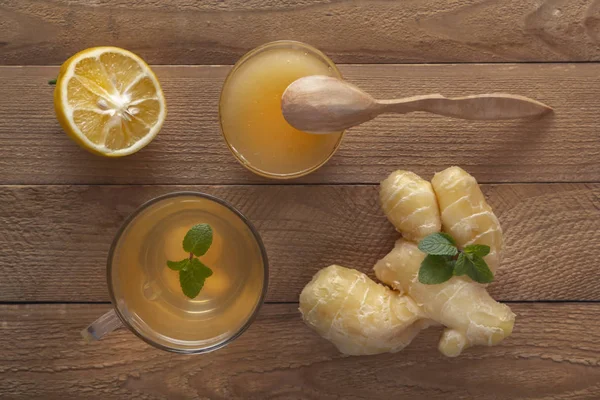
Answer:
(148, 295)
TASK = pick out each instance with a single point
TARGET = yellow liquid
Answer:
(251, 117)
(148, 293)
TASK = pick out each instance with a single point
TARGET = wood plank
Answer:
(54, 239)
(217, 32)
(190, 150)
(554, 353)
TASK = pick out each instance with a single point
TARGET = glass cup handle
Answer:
(100, 327)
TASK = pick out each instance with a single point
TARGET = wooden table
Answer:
(60, 206)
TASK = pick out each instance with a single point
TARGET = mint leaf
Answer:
(481, 272)
(436, 269)
(198, 239)
(474, 267)
(192, 277)
(461, 266)
(480, 250)
(178, 265)
(440, 244)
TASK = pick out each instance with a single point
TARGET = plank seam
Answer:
(108, 303)
(274, 184)
(503, 63)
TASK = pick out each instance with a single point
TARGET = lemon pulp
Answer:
(109, 101)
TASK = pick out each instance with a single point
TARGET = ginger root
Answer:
(357, 315)
(465, 214)
(471, 315)
(410, 205)
(362, 317)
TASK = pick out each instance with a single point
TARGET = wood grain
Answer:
(55, 239)
(554, 353)
(60, 206)
(218, 32)
(190, 149)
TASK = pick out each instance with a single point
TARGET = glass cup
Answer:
(146, 294)
(250, 114)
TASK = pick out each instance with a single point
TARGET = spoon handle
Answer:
(495, 106)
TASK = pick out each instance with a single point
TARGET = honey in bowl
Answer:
(250, 111)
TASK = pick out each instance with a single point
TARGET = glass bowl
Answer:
(324, 146)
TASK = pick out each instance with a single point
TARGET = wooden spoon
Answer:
(322, 104)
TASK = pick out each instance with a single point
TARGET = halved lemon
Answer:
(109, 101)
